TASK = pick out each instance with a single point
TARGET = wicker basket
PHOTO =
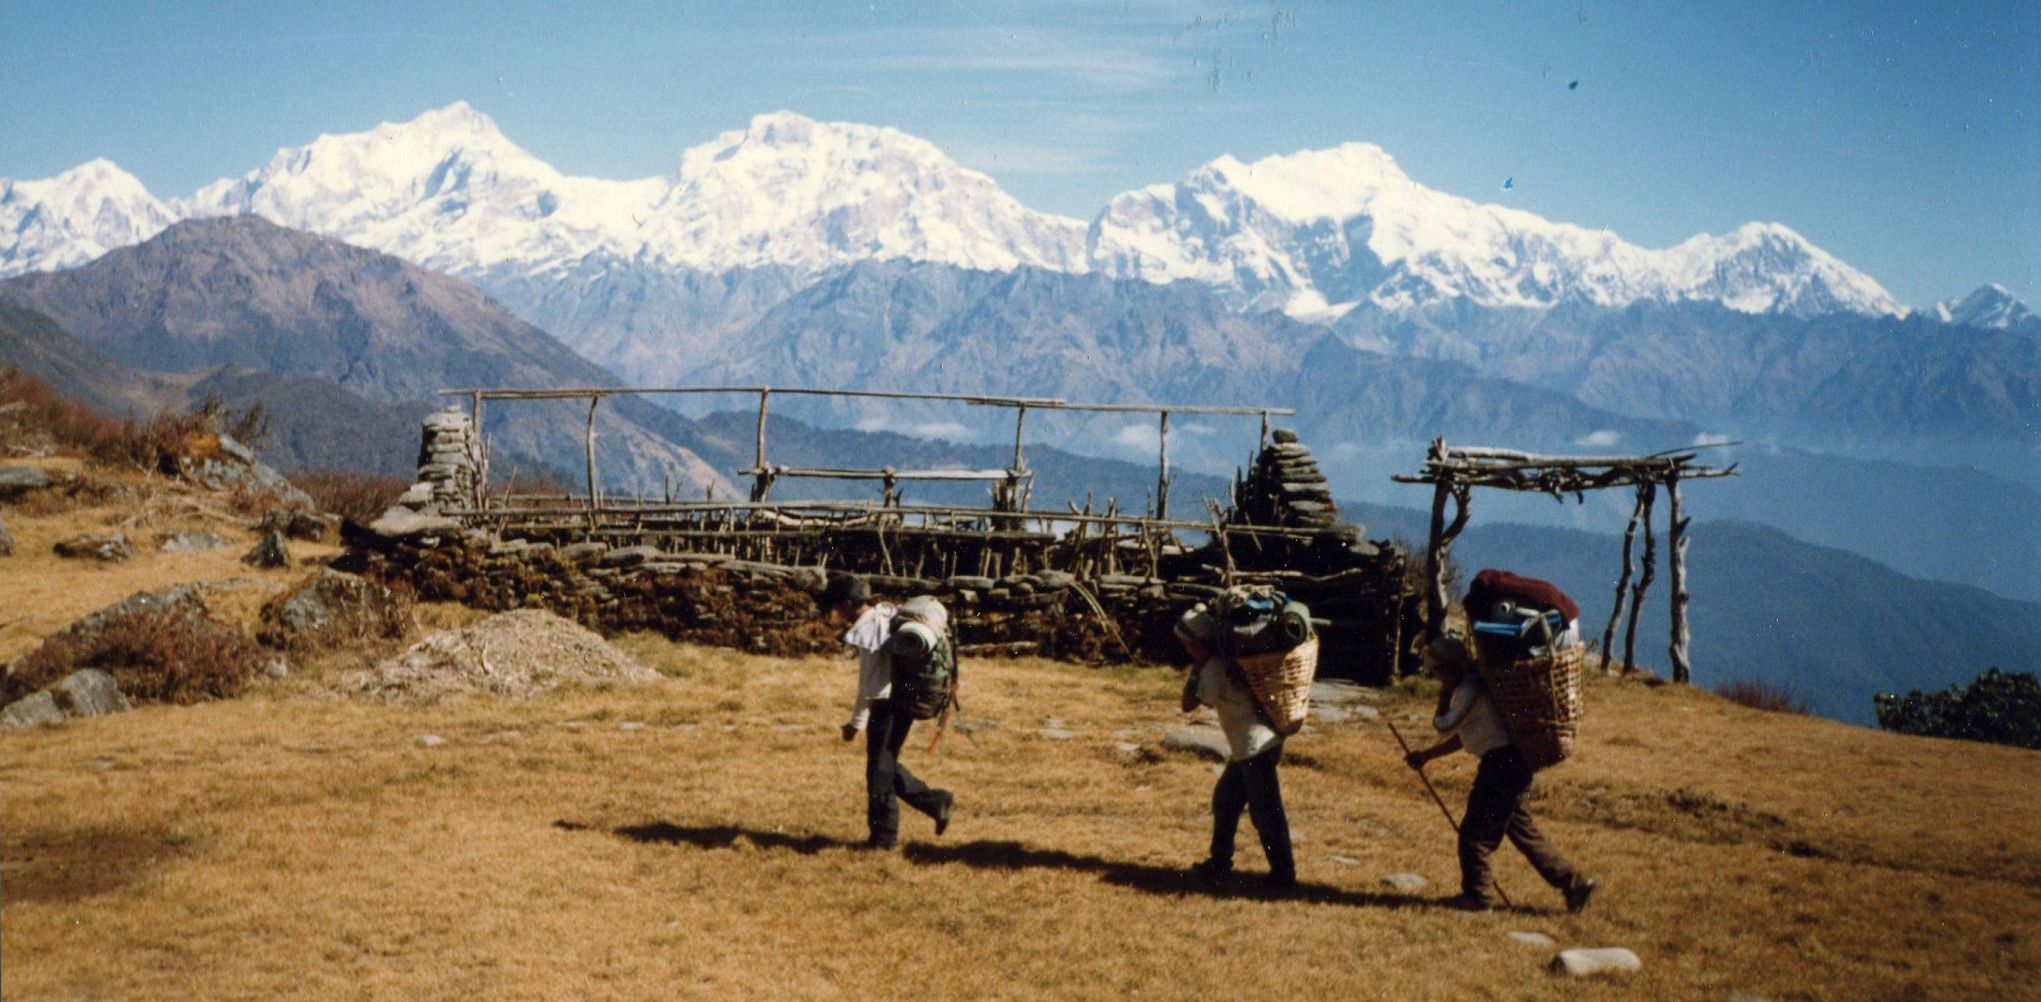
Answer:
(1281, 682)
(1539, 701)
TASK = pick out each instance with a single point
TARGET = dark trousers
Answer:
(1252, 784)
(886, 779)
(1495, 808)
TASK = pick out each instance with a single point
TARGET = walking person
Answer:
(1467, 720)
(848, 600)
(1249, 781)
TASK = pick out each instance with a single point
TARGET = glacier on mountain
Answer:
(1989, 307)
(1318, 232)
(1314, 234)
(74, 217)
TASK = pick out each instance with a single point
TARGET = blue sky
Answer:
(1904, 139)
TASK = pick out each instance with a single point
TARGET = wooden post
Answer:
(762, 484)
(1676, 535)
(1646, 492)
(1162, 482)
(1622, 584)
(480, 455)
(1434, 566)
(1020, 419)
(590, 443)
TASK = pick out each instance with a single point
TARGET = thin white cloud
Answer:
(1145, 437)
(1119, 65)
(1600, 439)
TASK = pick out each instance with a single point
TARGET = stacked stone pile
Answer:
(1285, 487)
(450, 459)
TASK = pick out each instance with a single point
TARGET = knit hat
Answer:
(846, 589)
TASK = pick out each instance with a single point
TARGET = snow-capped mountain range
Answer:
(1313, 234)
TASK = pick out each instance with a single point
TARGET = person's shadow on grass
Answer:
(716, 836)
(1010, 855)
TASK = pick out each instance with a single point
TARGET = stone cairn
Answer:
(1285, 487)
(450, 459)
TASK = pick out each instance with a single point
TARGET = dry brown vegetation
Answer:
(357, 497)
(693, 838)
(1759, 694)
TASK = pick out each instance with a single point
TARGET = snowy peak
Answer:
(789, 190)
(1318, 232)
(1313, 233)
(1769, 268)
(446, 189)
(69, 219)
(1991, 307)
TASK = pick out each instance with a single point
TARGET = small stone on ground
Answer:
(1534, 938)
(1406, 882)
(1205, 742)
(1599, 960)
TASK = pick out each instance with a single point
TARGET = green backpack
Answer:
(924, 660)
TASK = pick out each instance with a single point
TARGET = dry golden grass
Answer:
(693, 839)
(45, 592)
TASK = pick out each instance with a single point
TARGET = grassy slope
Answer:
(289, 845)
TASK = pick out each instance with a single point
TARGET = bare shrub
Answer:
(356, 497)
(1758, 694)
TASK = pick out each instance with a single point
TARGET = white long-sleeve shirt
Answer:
(875, 667)
(1471, 714)
(1247, 729)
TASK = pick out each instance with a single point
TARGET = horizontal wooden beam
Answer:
(977, 399)
(881, 474)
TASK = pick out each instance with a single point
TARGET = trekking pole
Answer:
(1443, 809)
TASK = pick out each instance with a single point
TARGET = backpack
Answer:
(924, 660)
(1258, 619)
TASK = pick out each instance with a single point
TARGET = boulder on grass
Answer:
(106, 549)
(89, 692)
(330, 609)
(271, 552)
(31, 711)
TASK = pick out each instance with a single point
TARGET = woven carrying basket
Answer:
(1281, 682)
(1539, 701)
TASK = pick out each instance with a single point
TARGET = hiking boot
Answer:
(1467, 903)
(1279, 884)
(1211, 871)
(1577, 895)
(942, 814)
(877, 845)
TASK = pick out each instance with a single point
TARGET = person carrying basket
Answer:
(1252, 657)
(1468, 720)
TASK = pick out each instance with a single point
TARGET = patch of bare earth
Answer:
(515, 655)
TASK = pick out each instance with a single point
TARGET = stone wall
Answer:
(620, 579)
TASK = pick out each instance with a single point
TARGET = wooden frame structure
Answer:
(1010, 496)
(1454, 472)
(997, 538)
